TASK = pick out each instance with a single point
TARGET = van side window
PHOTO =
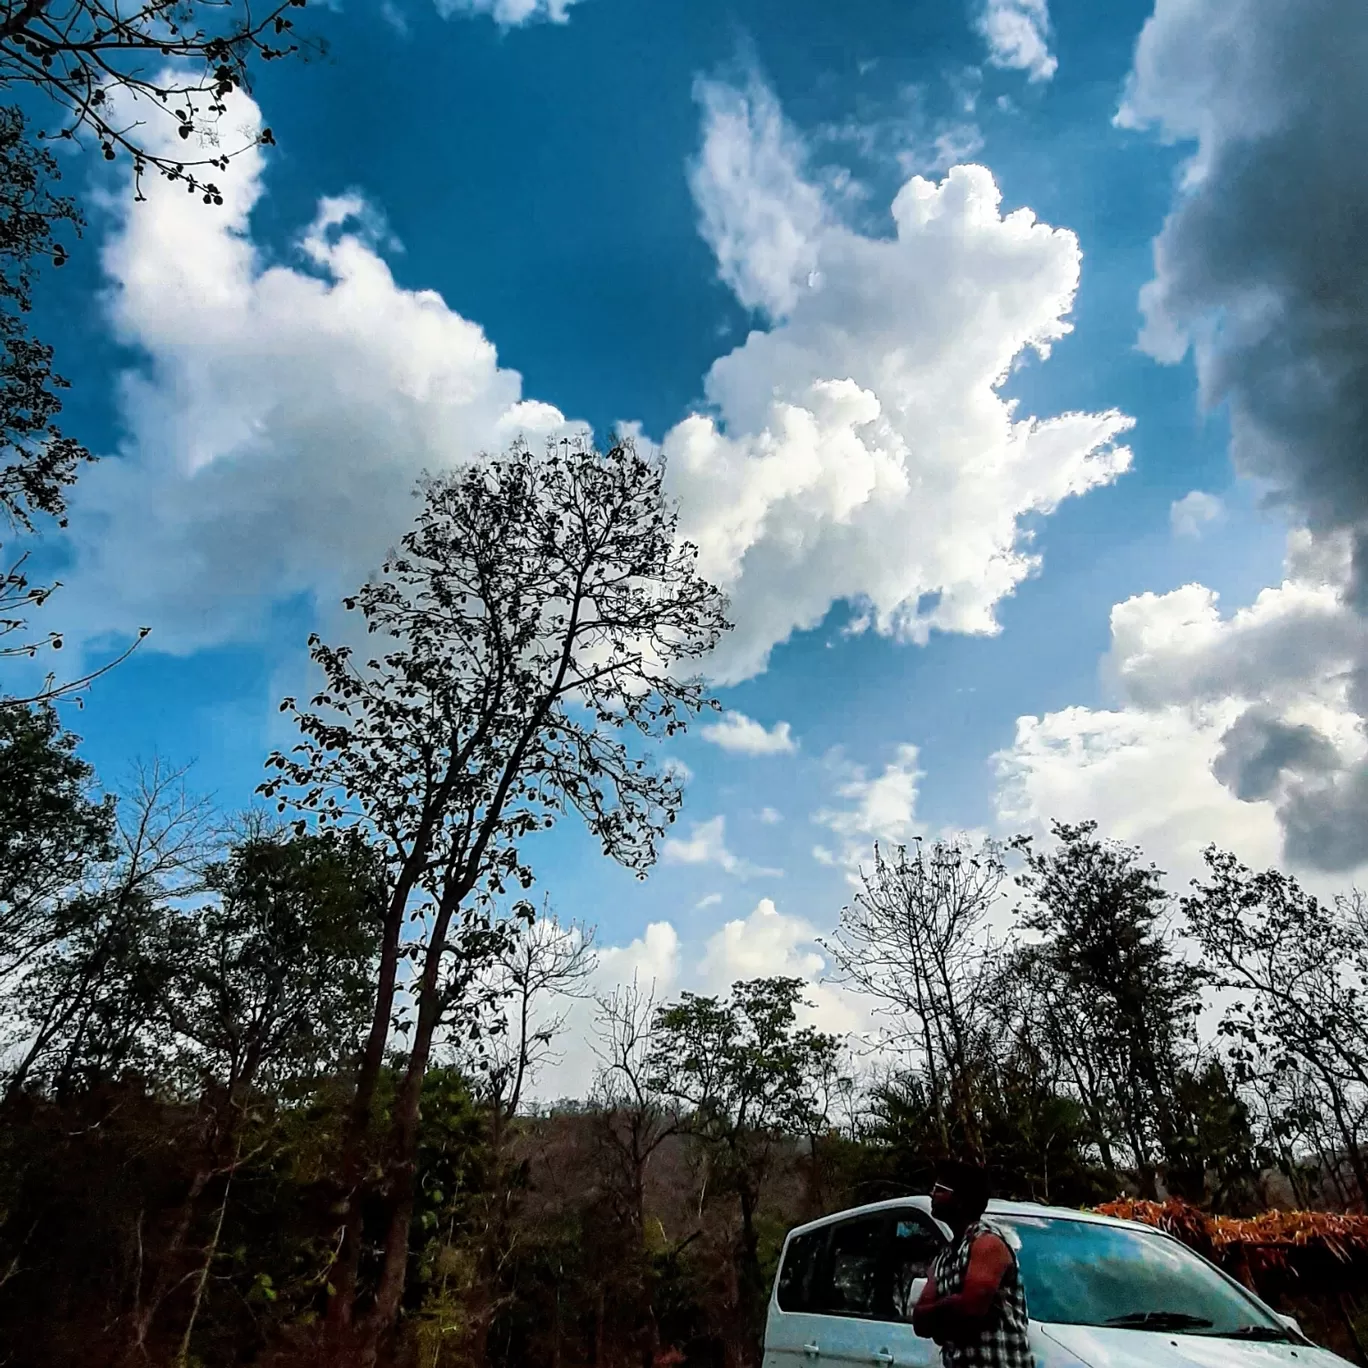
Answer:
(850, 1278)
(914, 1243)
(799, 1272)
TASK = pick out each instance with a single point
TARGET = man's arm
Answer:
(960, 1314)
(924, 1309)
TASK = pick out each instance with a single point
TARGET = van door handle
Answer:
(883, 1356)
(812, 1350)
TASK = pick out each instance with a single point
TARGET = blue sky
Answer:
(611, 201)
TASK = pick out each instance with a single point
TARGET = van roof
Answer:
(995, 1208)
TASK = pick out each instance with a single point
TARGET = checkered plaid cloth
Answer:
(1004, 1340)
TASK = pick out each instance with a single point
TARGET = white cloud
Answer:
(770, 944)
(654, 961)
(508, 13)
(1144, 776)
(708, 900)
(771, 816)
(394, 17)
(1018, 36)
(911, 130)
(706, 844)
(1190, 514)
(759, 215)
(652, 958)
(860, 449)
(882, 809)
(672, 764)
(737, 732)
(765, 944)
(1242, 730)
(280, 420)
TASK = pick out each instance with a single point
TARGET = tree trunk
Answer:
(403, 1149)
(749, 1278)
(341, 1308)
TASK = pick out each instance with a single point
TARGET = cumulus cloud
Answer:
(769, 944)
(1018, 36)
(879, 808)
(1262, 265)
(860, 449)
(766, 943)
(654, 961)
(771, 816)
(1144, 776)
(762, 945)
(706, 844)
(279, 420)
(509, 13)
(652, 958)
(737, 732)
(1244, 730)
(761, 218)
(1193, 512)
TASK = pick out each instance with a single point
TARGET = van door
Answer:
(791, 1331)
(914, 1240)
(846, 1300)
(845, 1292)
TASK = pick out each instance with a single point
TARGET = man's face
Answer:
(943, 1204)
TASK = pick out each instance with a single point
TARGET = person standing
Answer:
(973, 1304)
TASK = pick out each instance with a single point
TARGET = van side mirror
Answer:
(914, 1296)
(1292, 1323)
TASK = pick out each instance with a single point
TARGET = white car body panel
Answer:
(809, 1340)
(1103, 1348)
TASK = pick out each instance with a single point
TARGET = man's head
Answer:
(961, 1193)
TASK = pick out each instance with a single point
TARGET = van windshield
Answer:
(1083, 1273)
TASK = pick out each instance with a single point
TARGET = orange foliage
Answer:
(1275, 1239)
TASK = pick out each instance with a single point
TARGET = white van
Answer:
(1101, 1293)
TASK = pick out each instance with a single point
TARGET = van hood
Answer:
(1105, 1347)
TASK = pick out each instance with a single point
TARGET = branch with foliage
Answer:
(1296, 1029)
(108, 66)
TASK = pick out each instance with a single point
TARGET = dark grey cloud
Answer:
(1260, 748)
(1325, 825)
(1262, 265)
(1321, 801)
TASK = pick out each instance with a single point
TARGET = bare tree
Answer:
(534, 626)
(916, 939)
(85, 1003)
(634, 1121)
(542, 969)
(636, 1118)
(527, 993)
